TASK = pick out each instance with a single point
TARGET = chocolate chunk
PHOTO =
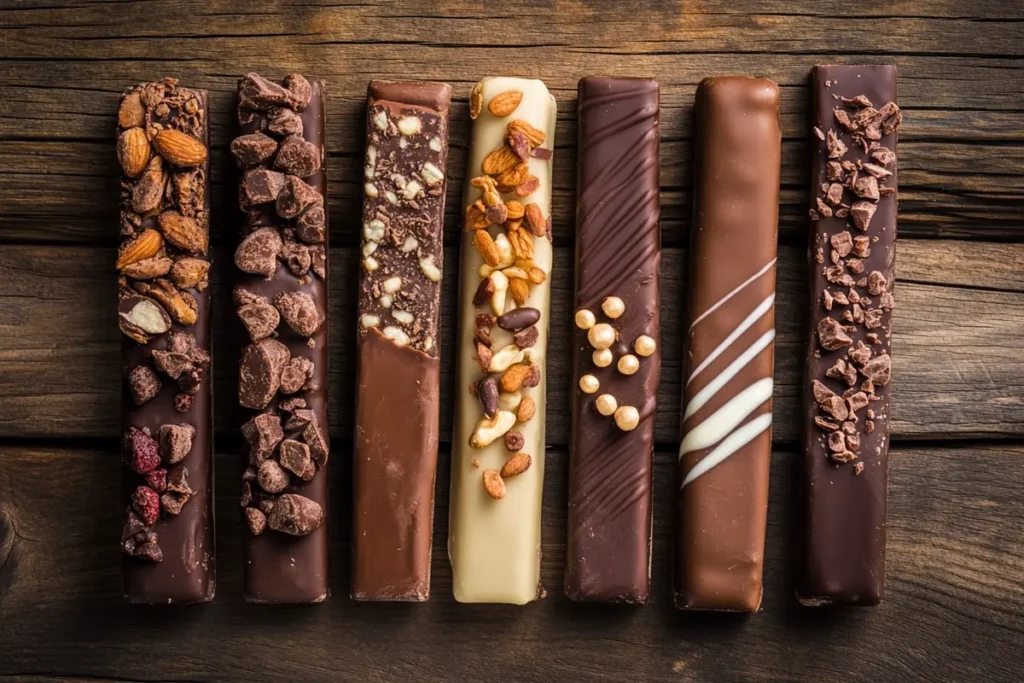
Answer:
(856, 401)
(299, 310)
(283, 122)
(836, 407)
(259, 319)
(836, 148)
(256, 92)
(842, 243)
(311, 226)
(299, 418)
(831, 335)
(866, 187)
(271, 477)
(260, 372)
(294, 456)
(143, 384)
(252, 150)
(260, 186)
(861, 213)
(820, 392)
(172, 503)
(825, 424)
(297, 257)
(834, 194)
(296, 515)
(873, 318)
(883, 155)
(878, 369)
(257, 253)
(296, 373)
(314, 438)
(837, 442)
(318, 260)
(518, 319)
(242, 297)
(296, 197)
(300, 90)
(876, 283)
(263, 433)
(291, 404)
(298, 157)
(175, 442)
(256, 520)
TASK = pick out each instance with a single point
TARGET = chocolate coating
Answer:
(843, 560)
(618, 248)
(726, 423)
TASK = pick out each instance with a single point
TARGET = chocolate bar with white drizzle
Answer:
(501, 348)
(726, 423)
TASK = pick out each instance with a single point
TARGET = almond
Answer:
(528, 186)
(505, 103)
(130, 114)
(148, 192)
(476, 216)
(499, 161)
(520, 290)
(515, 210)
(149, 268)
(494, 485)
(179, 148)
(484, 243)
(170, 298)
(133, 151)
(535, 219)
(527, 409)
(517, 464)
(512, 379)
(522, 243)
(183, 232)
(190, 272)
(535, 136)
(511, 178)
(476, 100)
(142, 247)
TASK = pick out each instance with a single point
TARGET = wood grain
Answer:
(956, 563)
(957, 350)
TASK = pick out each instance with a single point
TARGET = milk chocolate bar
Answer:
(727, 417)
(167, 538)
(398, 397)
(281, 304)
(847, 390)
(501, 349)
(615, 350)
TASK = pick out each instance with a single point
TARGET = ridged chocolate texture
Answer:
(846, 468)
(726, 422)
(172, 277)
(285, 555)
(397, 413)
(618, 253)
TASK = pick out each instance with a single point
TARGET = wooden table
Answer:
(955, 607)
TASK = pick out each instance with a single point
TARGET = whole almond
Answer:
(131, 114)
(183, 232)
(494, 485)
(133, 151)
(179, 148)
(515, 210)
(476, 100)
(527, 409)
(190, 272)
(520, 290)
(522, 243)
(536, 137)
(513, 176)
(535, 219)
(528, 186)
(145, 246)
(505, 103)
(149, 268)
(499, 161)
(170, 298)
(512, 379)
(484, 244)
(517, 464)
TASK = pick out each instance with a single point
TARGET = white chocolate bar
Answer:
(494, 545)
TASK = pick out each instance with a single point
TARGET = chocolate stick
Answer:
(615, 355)
(164, 313)
(847, 391)
(724, 456)
(498, 451)
(398, 397)
(281, 300)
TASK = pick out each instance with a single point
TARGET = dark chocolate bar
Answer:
(398, 399)
(727, 417)
(281, 301)
(615, 354)
(164, 312)
(847, 394)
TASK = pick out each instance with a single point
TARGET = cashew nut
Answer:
(489, 429)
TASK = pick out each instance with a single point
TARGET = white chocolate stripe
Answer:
(743, 360)
(754, 316)
(733, 293)
(718, 425)
(735, 441)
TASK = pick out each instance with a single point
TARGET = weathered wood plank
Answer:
(957, 357)
(956, 563)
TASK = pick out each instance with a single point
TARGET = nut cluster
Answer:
(602, 337)
(507, 274)
(865, 300)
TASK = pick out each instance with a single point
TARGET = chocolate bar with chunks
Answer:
(847, 392)
(398, 399)
(281, 302)
(167, 538)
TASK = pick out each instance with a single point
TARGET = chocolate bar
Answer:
(167, 538)
(615, 351)
(727, 416)
(398, 399)
(281, 303)
(847, 394)
(505, 292)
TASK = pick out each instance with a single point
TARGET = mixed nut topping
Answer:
(859, 304)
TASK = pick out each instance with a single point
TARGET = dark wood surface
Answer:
(955, 602)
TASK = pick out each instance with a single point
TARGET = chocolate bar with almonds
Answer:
(167, 537)
(398, 399)
(615, 355)
(281, 303)
(849, 367)
(505, 294)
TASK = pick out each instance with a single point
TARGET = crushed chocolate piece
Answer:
(263, 433)
(143, 384)
(298, 157)
(299, 311)
(295, 515)
(260, 319)
(831, 335)
(256, 520)
(260, 372)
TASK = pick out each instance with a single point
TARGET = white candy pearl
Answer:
(603, 358)
(589, 384)
(644, 345)
(613, 306)
(627, 418)
(606, 404)
(628, 364)
(585, 319)
(601, 336)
